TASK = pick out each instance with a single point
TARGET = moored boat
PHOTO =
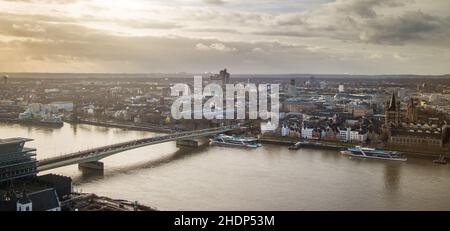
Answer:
(295, 146)
(236, 141)
(372, 153)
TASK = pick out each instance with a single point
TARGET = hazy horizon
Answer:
(69, 75)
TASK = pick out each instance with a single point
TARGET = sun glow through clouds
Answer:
(296, 36)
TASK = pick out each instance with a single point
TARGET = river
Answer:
(219, 178)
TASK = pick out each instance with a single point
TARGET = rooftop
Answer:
(44, 200)
(14, 140)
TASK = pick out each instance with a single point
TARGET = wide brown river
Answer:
(218, 178)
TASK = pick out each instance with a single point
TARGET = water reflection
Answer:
(392, 176)
(88, 175)
(183, 152)
(74, 129)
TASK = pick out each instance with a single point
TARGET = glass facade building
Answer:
(16, 161)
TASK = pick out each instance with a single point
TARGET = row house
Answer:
(347, 134)
(329, 134)
(292, 130)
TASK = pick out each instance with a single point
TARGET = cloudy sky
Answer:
(246, 36)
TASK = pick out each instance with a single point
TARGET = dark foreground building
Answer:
(20, 187)
(16, 161)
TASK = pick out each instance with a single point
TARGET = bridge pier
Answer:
(188, 143)
(96, 167)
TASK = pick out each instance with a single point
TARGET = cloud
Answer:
(367, 21)
(213, 30)
(252, 36)
(257, 50)
(43, 46)
(409, 27)
(214, 46)
(400, 57)
(29, 28)
(364, 8)
(150, 24)
(75, 48)
(214, 2)
(375, 56)
(46, 1)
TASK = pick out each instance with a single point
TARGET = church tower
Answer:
(411, 113)
(24, 203)
(392, 112)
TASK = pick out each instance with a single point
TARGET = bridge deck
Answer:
(96, 154)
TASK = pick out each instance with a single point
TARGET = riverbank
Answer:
(31, 122)
(288, 141)
(92, 202)
(277, 140)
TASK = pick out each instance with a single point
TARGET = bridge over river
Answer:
(92, 156)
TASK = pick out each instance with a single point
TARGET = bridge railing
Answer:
(170, 136)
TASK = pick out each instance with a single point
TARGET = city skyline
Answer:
(250, 37)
